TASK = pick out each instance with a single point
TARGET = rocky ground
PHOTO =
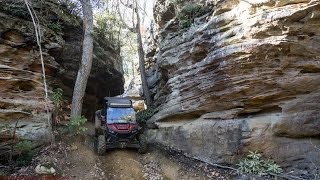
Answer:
(75, 158)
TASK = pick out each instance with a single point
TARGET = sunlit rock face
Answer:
(21, 83)
(243, 77)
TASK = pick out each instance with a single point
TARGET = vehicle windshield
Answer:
(121, 115)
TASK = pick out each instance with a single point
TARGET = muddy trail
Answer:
(75, 158)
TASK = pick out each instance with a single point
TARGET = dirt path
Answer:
(122, 164)
(76, 159)
(128, 164)
(83, 163)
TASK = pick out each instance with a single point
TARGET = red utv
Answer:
(116, 126)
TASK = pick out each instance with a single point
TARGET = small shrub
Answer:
(177, 1)
(60, 106)
(145, 115)
(108, 27)
(70, 6)
(56, 27)
(25, 152)
(3, 173)
(189, 12)
(57, 97)
(255, 165)
(76, 125)
(15, 9)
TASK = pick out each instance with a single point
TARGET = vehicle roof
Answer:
(118, 101)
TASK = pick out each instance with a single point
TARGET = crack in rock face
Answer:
(249, 70)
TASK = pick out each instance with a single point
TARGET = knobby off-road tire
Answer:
(143, 144)
(101, 145)
(97, 124)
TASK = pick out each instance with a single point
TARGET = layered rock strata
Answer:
(243, 77)
(21, 83)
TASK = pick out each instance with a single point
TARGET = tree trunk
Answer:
(86, 61)
(142, 68)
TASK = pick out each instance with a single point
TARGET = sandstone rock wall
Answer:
(21, 84)
(243, 77)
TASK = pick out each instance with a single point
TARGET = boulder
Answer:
(43, 170)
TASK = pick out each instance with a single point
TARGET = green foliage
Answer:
(56, 27)
(189, 12)
(3, 173)
(175, 2)
(145, 115)
(59, 105)
(108, 27)
(57, 97)
(70, 6)
(23, 146)
(256, 165)
(25, 152)
(17, 8)
(66, 11)
(76, 125)
(128, 53)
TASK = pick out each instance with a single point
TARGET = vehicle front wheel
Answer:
(143, 144)
(97, 124)
(101, 145)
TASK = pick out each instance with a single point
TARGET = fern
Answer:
(57, 97)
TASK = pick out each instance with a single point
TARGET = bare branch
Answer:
(37, 29)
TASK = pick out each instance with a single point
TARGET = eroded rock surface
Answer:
(21, 83)
(243, 77)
